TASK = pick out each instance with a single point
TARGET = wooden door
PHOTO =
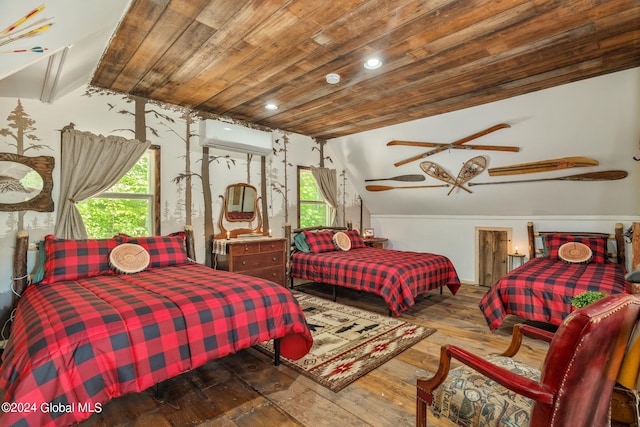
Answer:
(493, 247)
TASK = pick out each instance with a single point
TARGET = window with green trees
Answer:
(128, 206)
(312, 209)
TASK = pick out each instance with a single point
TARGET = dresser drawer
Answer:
(272, 245)
(244, 248)
(251, 262)
(263, 258)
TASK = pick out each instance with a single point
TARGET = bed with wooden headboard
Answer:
(86, 333)
(561, 265)
(399, 277)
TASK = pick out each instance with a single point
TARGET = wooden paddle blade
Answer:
(597, 176)
(453, 144)
(544, 166)
(510, 148)
(388, 187)
(405, 178)
(591, 176)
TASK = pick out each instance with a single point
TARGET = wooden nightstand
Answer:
(257, 257)
(376, 242)
(515, 260)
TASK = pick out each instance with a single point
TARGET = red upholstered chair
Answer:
(572, 388)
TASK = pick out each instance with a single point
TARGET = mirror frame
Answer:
(227, 200)
(225, 230)
(43, 165)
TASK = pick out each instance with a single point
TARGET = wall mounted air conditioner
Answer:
(232, 137)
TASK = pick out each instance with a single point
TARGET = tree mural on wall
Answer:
(276, 185)
(22, 130)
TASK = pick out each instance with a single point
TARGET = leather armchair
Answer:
(572, 388)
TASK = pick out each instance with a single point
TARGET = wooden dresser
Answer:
(262, 257)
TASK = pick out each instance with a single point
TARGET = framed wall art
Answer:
(26, 183)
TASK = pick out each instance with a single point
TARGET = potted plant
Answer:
(586, 298)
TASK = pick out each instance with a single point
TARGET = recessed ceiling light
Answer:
(271, 107)
(333, 78)
(373, 63)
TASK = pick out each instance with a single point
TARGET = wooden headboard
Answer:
(616, 237)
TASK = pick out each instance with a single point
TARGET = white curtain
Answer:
(90, 164)
(328, 185)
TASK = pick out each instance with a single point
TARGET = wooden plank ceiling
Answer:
(230, 58)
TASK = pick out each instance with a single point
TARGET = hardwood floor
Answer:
(245, 389)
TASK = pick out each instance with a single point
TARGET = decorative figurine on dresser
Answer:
(242, 246)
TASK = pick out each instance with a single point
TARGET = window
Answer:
(131, 206)
(312, 209)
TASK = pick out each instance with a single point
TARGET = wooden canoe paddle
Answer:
(445, 147)
(406, 178)
(544, 166)
(591, 176)
(388, 187)
(510, 148)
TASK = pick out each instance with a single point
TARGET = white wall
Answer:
(596, 118)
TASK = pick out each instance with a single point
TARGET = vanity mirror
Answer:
(240, 204)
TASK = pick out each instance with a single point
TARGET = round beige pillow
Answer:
(575, 253)
(128, 258)
(342, 241)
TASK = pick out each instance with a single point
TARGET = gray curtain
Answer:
(90, 164)
(328, 186)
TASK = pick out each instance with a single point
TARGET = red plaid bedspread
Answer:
(397, 276)
(77, 344)
(541, 290)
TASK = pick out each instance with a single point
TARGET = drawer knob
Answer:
(273, 259)
(246, 248)
(244, 262)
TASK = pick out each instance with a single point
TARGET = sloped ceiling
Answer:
(231, 58)
(71, 48)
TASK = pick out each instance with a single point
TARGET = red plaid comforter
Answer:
(541, 290)
(77, 344)
(397, 276)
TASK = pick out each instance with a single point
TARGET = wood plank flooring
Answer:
(245, 389)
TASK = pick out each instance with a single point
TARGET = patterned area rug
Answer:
(348, 341)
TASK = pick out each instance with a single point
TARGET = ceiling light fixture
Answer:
(373, 63)
(333, 78)
(271, 107)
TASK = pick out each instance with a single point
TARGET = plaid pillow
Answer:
(163, 250)
(356, 239)
(598, 245)
(319, 241)
(75, 259)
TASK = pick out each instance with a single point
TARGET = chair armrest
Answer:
(517, 383)
(521, 330)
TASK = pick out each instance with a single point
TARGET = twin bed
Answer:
(396, 276)
(542, 289)
(86, 333)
